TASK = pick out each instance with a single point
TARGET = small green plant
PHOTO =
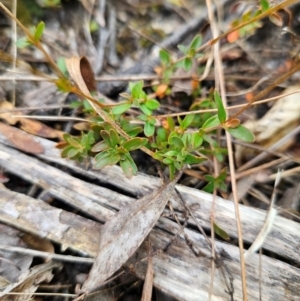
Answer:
(250, 21)
(169, 65)
(35, 36)
(113, 134)
(175, 144)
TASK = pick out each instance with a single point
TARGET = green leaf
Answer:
(87, 106)
(91, 139)
(114, 137)
(209, 139)
(187, 64)
(242, 133)
(167, 161)
(209, 178)
(171, 153)
(74, 141)
(158, 155)
(145, 110)
(121, 108)
(172, 134)
(211, 122)
(152, 120)
(188, 119)
(223, 174)
(131, 129)
(107, 127)
(168, 72)
(221, 185)
(152, 104)
(64, 85)
(209, 187)
(222, 233)
(65, 152)
(100, 146)
(75, 104)
(61, 64)
(176, 142)
(84, 140)
(221, 110)
(73, 152)
(178, 64)
(192, 159)
(136, 89)
(164, 56)
(50, 3)
(113, 159)
(143, 117)
(23, 42)
(177, 165)
(180, 156)
(149, 129)
(106, 138)
(128, 166)
(39, 31)
(161, 135)
(172, 171)
(171, 123)
(265, 5)
(135, 143)
(196, 140)
(105, 158)
(186, 139)
(87, 140)
(191, 53)
(67, 136)
(183, 48)
(196, 43)
(219, 156)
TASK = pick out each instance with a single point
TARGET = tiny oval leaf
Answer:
(164, 56)
(242, 133)
(221, 232)
(39, 31)
(149, 129)
(197, 41)
(135, 143)
(211, 122)
(221, 110)
(120, 109)
(187, 64)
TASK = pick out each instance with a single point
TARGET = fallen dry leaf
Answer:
(21, 140)
(31, 126)
(88, 74)
(82, 73)
(123, 234)
(38, 128)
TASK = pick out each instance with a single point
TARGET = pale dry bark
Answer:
(178, 271)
